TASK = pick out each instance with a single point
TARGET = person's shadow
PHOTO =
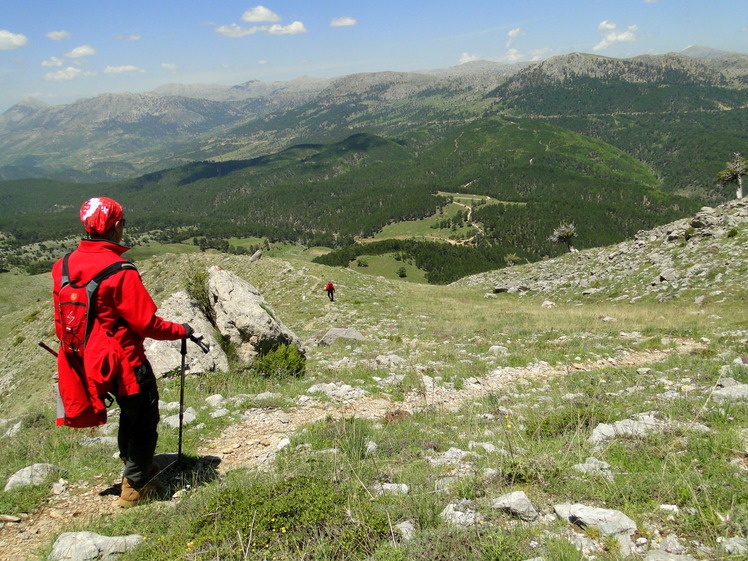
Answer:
(178, 476)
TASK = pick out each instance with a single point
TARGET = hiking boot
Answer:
(130, 496)
(153, 489)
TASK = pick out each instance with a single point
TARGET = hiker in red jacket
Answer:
(330, 288)
(126, 315)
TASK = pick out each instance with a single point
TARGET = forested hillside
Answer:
(611, 146)
(680, 117)
(332, 194)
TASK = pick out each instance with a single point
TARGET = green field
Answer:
(387, 266)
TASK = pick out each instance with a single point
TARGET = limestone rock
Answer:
(518, 504)
(166, 356)
(609, 522)
(243, 315)
(85, 546)
(31, 475)
(335, 333)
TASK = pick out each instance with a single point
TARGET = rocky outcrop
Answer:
(166, 356)
(243, 315)
(239, 313)
(683, 258)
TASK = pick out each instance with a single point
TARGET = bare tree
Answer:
(734, 173)
(565, 233)
(511, 259)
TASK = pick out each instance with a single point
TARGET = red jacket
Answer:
(125, 311)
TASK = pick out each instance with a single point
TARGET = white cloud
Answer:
(262, 62)
(260, 14)
(53, 61)
(651, 1)
(169, 66)
(235, 31)
(58, 35)
(513, 55)
(466, 57)
(122, 69)
(133, 37)
(83, 50)
(9, 41)
(611, 35)
(291, 29)
(539, 54)
(513, 34)
(64, 75)
(342, 22)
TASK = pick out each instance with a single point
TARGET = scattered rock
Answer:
(640, 426)
(391, 489)
(608, 522)
(461, 513)
(89, 546)
(335, 333)
(188, 416)
(407, 529)
(31, 475)
(737, 392)
(518, 504)
(593, 466)
(659, 555)
(734, 546)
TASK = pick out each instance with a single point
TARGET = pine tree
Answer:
(734, 173)
(565, 233)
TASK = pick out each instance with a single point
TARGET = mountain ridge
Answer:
(103, 137)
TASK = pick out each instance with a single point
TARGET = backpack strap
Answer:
(65, 279)
(92, 287)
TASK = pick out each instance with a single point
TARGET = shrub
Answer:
(299, 514)
(196, 286)
(282, 361)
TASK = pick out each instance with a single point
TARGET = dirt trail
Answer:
(252, 442)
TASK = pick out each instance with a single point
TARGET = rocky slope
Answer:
(703, 257)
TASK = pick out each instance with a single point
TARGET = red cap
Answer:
(100, 214)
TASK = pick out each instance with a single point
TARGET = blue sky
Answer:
(61, 50)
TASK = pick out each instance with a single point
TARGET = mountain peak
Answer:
(700, 51)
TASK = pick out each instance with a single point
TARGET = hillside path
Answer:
(252, 442)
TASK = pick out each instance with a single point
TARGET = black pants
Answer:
(138, 424)
(331, 295)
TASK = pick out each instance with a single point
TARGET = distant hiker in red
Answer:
(113, 358)
(330, 288)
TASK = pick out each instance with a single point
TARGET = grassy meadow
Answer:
(569, 368)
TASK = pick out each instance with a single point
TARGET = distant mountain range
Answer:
(116, 136)
(613, 146)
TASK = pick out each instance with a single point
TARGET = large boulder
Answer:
(89, 546)
(243, 315)
(166, 356)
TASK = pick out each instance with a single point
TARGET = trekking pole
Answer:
(46, 347)
(181, 398)
(59, 406)
(200, 343)
(205, 348)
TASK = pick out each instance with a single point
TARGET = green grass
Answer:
(388, 266)
(155, 249)
(540, 425)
